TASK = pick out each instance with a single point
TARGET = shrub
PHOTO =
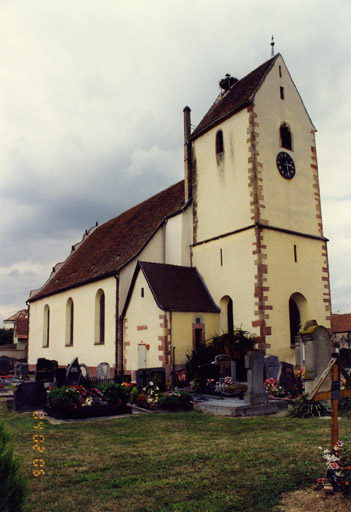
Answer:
(303, 408)
(64, 399)
(13, 486)
(115, 394)
(235, 344)
(134, 394)
(175, 400)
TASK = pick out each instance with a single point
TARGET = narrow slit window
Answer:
(219, 142)
(295, 253)
(221, 257)
(280, 71)
(282, 93)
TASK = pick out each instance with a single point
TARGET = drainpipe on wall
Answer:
(28, 309)
(171, 348)
(187, 154)
(117, 316)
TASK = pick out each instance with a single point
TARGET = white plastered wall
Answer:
(84, 346)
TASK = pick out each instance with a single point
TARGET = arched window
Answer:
(285, 137)
(69, 322)
(227, 315)
(100, 317)
(46, 326)
(219, 142)
(297, 315)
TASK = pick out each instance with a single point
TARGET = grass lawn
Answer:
(182, 462)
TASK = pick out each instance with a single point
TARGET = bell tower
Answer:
(258, 235)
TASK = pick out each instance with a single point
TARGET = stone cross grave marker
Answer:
(333, 369)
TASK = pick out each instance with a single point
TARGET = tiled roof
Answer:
(341, 323)
(236, 98)
(22, 313)
(113, 244)
(21, 328)
(177, 288)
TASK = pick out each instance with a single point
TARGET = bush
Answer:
(63, 399)
(303, 408)
(236, 345)
(175, 400)
(13, 486)
(115, 394)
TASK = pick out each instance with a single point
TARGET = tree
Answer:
(13, 485)
(6, 336)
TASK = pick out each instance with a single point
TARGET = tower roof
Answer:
(237, 97)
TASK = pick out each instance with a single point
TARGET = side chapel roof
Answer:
(239, 95)
(113, 244)
(175, 288)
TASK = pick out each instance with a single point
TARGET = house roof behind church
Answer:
(236, 98)
(177, 288)
(341, 323)
(113, 244)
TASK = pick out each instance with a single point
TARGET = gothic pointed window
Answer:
(285, 137)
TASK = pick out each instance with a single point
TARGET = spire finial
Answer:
(272, 45)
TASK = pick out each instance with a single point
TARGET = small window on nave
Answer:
(285, 137)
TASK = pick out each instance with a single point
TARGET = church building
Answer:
(238, 243)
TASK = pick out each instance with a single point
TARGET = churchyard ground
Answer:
(171, 462)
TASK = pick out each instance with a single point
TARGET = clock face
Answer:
(285, 165)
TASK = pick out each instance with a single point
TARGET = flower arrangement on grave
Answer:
(69, 398)
(338, 462)
(175, 400)
(273, 389)
(195, 384)
(151, 391)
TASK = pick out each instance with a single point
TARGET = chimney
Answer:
(187, 154)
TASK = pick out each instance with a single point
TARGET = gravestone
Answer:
(24, 370)
(146, 375)
(18, 370)
(60, 377)
(103, 371)
(256, 392)
(208, 376)
(29, 396)
(73, 373)
(313, 352)
(271, 365)
(233, 371)
(45, 370)
(84, 370)
(223, 361)
(286, 377)
(5, 365)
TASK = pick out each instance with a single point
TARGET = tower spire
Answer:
(272, 45)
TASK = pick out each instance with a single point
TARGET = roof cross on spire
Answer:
(272, 45)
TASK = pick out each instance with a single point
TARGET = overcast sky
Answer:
(91, 119)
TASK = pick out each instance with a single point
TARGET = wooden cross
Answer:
(334, 368)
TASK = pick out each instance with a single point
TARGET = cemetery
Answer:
(269, 390)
